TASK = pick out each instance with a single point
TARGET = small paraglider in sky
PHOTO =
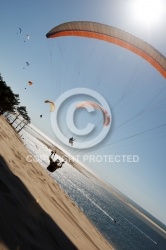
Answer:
(30, 83)
(20, 30)
(40, 116)
(106, 117)
(27, 37)
(27, 64)
(52, 105)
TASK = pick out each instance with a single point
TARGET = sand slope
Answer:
(34, 212)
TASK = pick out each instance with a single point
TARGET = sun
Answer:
(147, 11)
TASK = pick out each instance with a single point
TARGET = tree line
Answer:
(9, 103)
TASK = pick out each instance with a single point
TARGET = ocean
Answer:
(116, 220)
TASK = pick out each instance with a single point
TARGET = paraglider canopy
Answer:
(113, 35)
(52, 105)
(106, 117)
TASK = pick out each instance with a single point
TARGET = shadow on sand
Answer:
(23, 223)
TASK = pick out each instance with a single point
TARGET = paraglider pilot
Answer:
(71, 141)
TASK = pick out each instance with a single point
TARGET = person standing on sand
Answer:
(54, 165)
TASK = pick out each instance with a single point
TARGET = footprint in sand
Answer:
(17, 154)
(15, 165)
(18, 157)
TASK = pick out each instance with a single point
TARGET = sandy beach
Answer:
(35, 213)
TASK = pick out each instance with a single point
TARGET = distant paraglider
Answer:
(40, 116)
(20, 30)
(30, 83)
(106, 117)
(27, 64)
(71, 140)
(27, 37)
(112, 35)
(52, 105)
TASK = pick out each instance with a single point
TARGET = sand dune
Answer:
(34, 212)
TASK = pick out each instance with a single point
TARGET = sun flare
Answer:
(147, 11)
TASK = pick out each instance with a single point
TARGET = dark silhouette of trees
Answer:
(8, 100)
(9, 104)
(20, 111)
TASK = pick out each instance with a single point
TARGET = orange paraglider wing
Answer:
(112, 35)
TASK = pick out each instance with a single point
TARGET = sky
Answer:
(131, 156)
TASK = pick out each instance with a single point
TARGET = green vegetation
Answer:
(9, 104)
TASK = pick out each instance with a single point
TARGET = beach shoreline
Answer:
(23, 182)
(90, 174)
